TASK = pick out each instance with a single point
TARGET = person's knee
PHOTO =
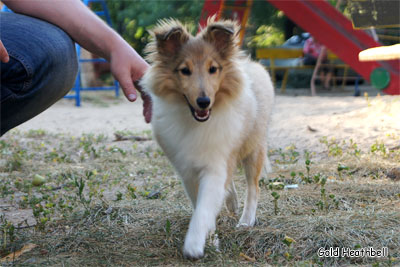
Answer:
(59, 64)
(46, 53)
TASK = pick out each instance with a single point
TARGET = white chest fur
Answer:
(185, 140)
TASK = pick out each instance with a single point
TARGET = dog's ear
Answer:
(223, 35)
(170, 41)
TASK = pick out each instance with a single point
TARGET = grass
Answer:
(120, 203)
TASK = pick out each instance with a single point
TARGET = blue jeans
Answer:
(42, 67)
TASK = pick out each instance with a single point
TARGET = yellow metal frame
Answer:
(285, 53)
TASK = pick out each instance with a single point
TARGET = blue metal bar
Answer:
(116, 86)
(77, 87)
(100, 88)
(100, 13)
(106, 13)
(357, 91)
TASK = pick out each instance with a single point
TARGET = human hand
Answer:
(3, 53)
(128, 67)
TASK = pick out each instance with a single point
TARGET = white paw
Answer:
(193, 249)
(246, 223)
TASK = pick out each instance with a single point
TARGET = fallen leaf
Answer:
(287, 255)
(311, 129)
(12, 256)
(288, 240)
(247, 258)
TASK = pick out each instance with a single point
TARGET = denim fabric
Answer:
(42, 67)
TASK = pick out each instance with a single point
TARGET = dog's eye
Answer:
(212, 70)
(186, 71)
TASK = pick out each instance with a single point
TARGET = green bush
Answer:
(133, 19)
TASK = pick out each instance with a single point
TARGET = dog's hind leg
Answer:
(231, 198)
(253, 166)
(231, 201)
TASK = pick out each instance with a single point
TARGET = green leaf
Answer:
(168, 226)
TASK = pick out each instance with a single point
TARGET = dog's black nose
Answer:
(203, 102)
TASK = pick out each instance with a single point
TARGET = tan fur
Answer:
(205, 153)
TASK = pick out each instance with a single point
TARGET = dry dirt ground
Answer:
(299, 120)
(106, 202)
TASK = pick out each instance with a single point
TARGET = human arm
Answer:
(88, 30)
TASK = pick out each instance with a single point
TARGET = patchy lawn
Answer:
(103, 202)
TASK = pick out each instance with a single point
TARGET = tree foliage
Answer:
(132, 19)
(266, 26)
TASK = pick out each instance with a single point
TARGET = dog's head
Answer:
(197, 69)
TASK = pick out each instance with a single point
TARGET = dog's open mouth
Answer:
(199, 115)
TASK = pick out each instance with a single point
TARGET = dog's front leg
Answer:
(209, 201)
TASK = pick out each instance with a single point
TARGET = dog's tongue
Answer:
(202, 113)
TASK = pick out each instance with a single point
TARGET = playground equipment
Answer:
(280, 53)
(238, 10)
(334, 31)
(78, 82)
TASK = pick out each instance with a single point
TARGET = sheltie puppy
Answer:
(211, 106)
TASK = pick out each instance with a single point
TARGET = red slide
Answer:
(332, 29)
(336, 32)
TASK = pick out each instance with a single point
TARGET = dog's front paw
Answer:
(193, 253)
(193, 250)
